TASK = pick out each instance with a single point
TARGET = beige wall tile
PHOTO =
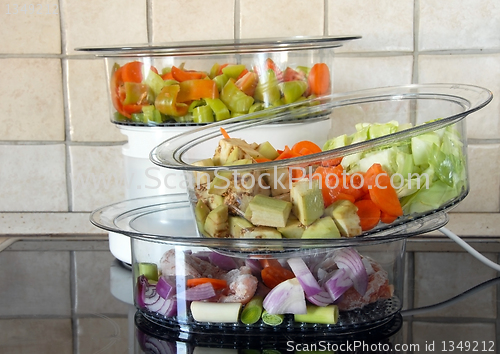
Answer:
(357, 73)
(28, 28)
(88, 264)
(192, 20)
(484, 178)
(41, 336)
(384, 25)
(48, 278)
(482, 70)
(97, 176)
(32, 102)
(33, 178)
(440, 276)
(459, 24)
(89, 111)
(430, 332)
(98, 334)
(114, 22)
(281, 18)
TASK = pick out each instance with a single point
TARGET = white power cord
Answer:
(470, 249)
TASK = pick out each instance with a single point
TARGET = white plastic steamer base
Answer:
(143, 178)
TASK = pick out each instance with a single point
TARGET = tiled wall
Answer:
(54, 118)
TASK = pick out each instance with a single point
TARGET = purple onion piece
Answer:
(199, 292)
(304, 276)
(222, 261)
(165, 287)
(338, 284)
(350, 260)
(254, 266)
(322, 299)
(286, 297)
(140, 291)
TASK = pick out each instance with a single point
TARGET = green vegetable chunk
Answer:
(252, 311)
(318, 314)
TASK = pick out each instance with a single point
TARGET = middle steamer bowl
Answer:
(393, 157)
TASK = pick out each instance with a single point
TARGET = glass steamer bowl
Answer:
(417, 128)
(137, 74)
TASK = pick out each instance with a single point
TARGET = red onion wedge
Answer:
(286, 297)
(322, 299)
(304, 276)
(338, 284)
(199, 292)
(147, 297)
(222, 261)
(165, 287)
(350, 260)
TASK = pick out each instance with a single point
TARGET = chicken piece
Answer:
(242, 285)
(193, 266)
(378, 289)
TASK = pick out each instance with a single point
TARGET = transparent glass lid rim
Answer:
(223, 46)
(471, 98)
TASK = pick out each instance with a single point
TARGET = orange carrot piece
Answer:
(216, 283)
(309, 146)
(269, 262)
(224, 133)
(332, 162)
(183, 75)
(386, 218)
(319, 79)
(384, 195)
(132, 72)
(369, 214)
(272, 275)
(262, 159)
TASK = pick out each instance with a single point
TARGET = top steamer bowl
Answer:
(136, 76)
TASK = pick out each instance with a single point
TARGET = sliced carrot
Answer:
(286, 154)
(224, 133)
(269, 262)
(332, 162)
(132, 72)
(384, 195)
(272, 275)
(369, 214)
(167, 76)
(319, 79)
(184, 75)
(216, 283)
(306, 145)
(262, 159)
(386, 218)
(353, 186)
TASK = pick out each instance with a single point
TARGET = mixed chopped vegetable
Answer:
(341, 197)
(223, 289)
(177, 94)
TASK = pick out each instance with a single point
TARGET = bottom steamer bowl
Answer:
(393, 156)
(172, 291)
(185, 282)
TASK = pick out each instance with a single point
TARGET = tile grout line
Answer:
(236, 20)
(149, 20)
(325, 18)
(416, 30)
(74, 323)
(65, 92)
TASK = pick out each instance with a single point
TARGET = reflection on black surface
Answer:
(155, 339)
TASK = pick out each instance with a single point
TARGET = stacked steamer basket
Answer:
(142, 81)
(290, 228)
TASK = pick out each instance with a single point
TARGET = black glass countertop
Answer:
(70, 295)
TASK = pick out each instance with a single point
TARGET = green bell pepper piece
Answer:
(152, 115)
(166, 102)
(220, 81)
(233, 71)
(293, 90)
(267, 89)
(137, 117)
(203, 114)
(134, 93)
(219, 108)
(235, 99)
(195, 104)
(155, 82)
(214, 71)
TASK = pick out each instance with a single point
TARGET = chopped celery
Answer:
(219, 108)
(319, 314)
(203, 114)
(235, 99)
